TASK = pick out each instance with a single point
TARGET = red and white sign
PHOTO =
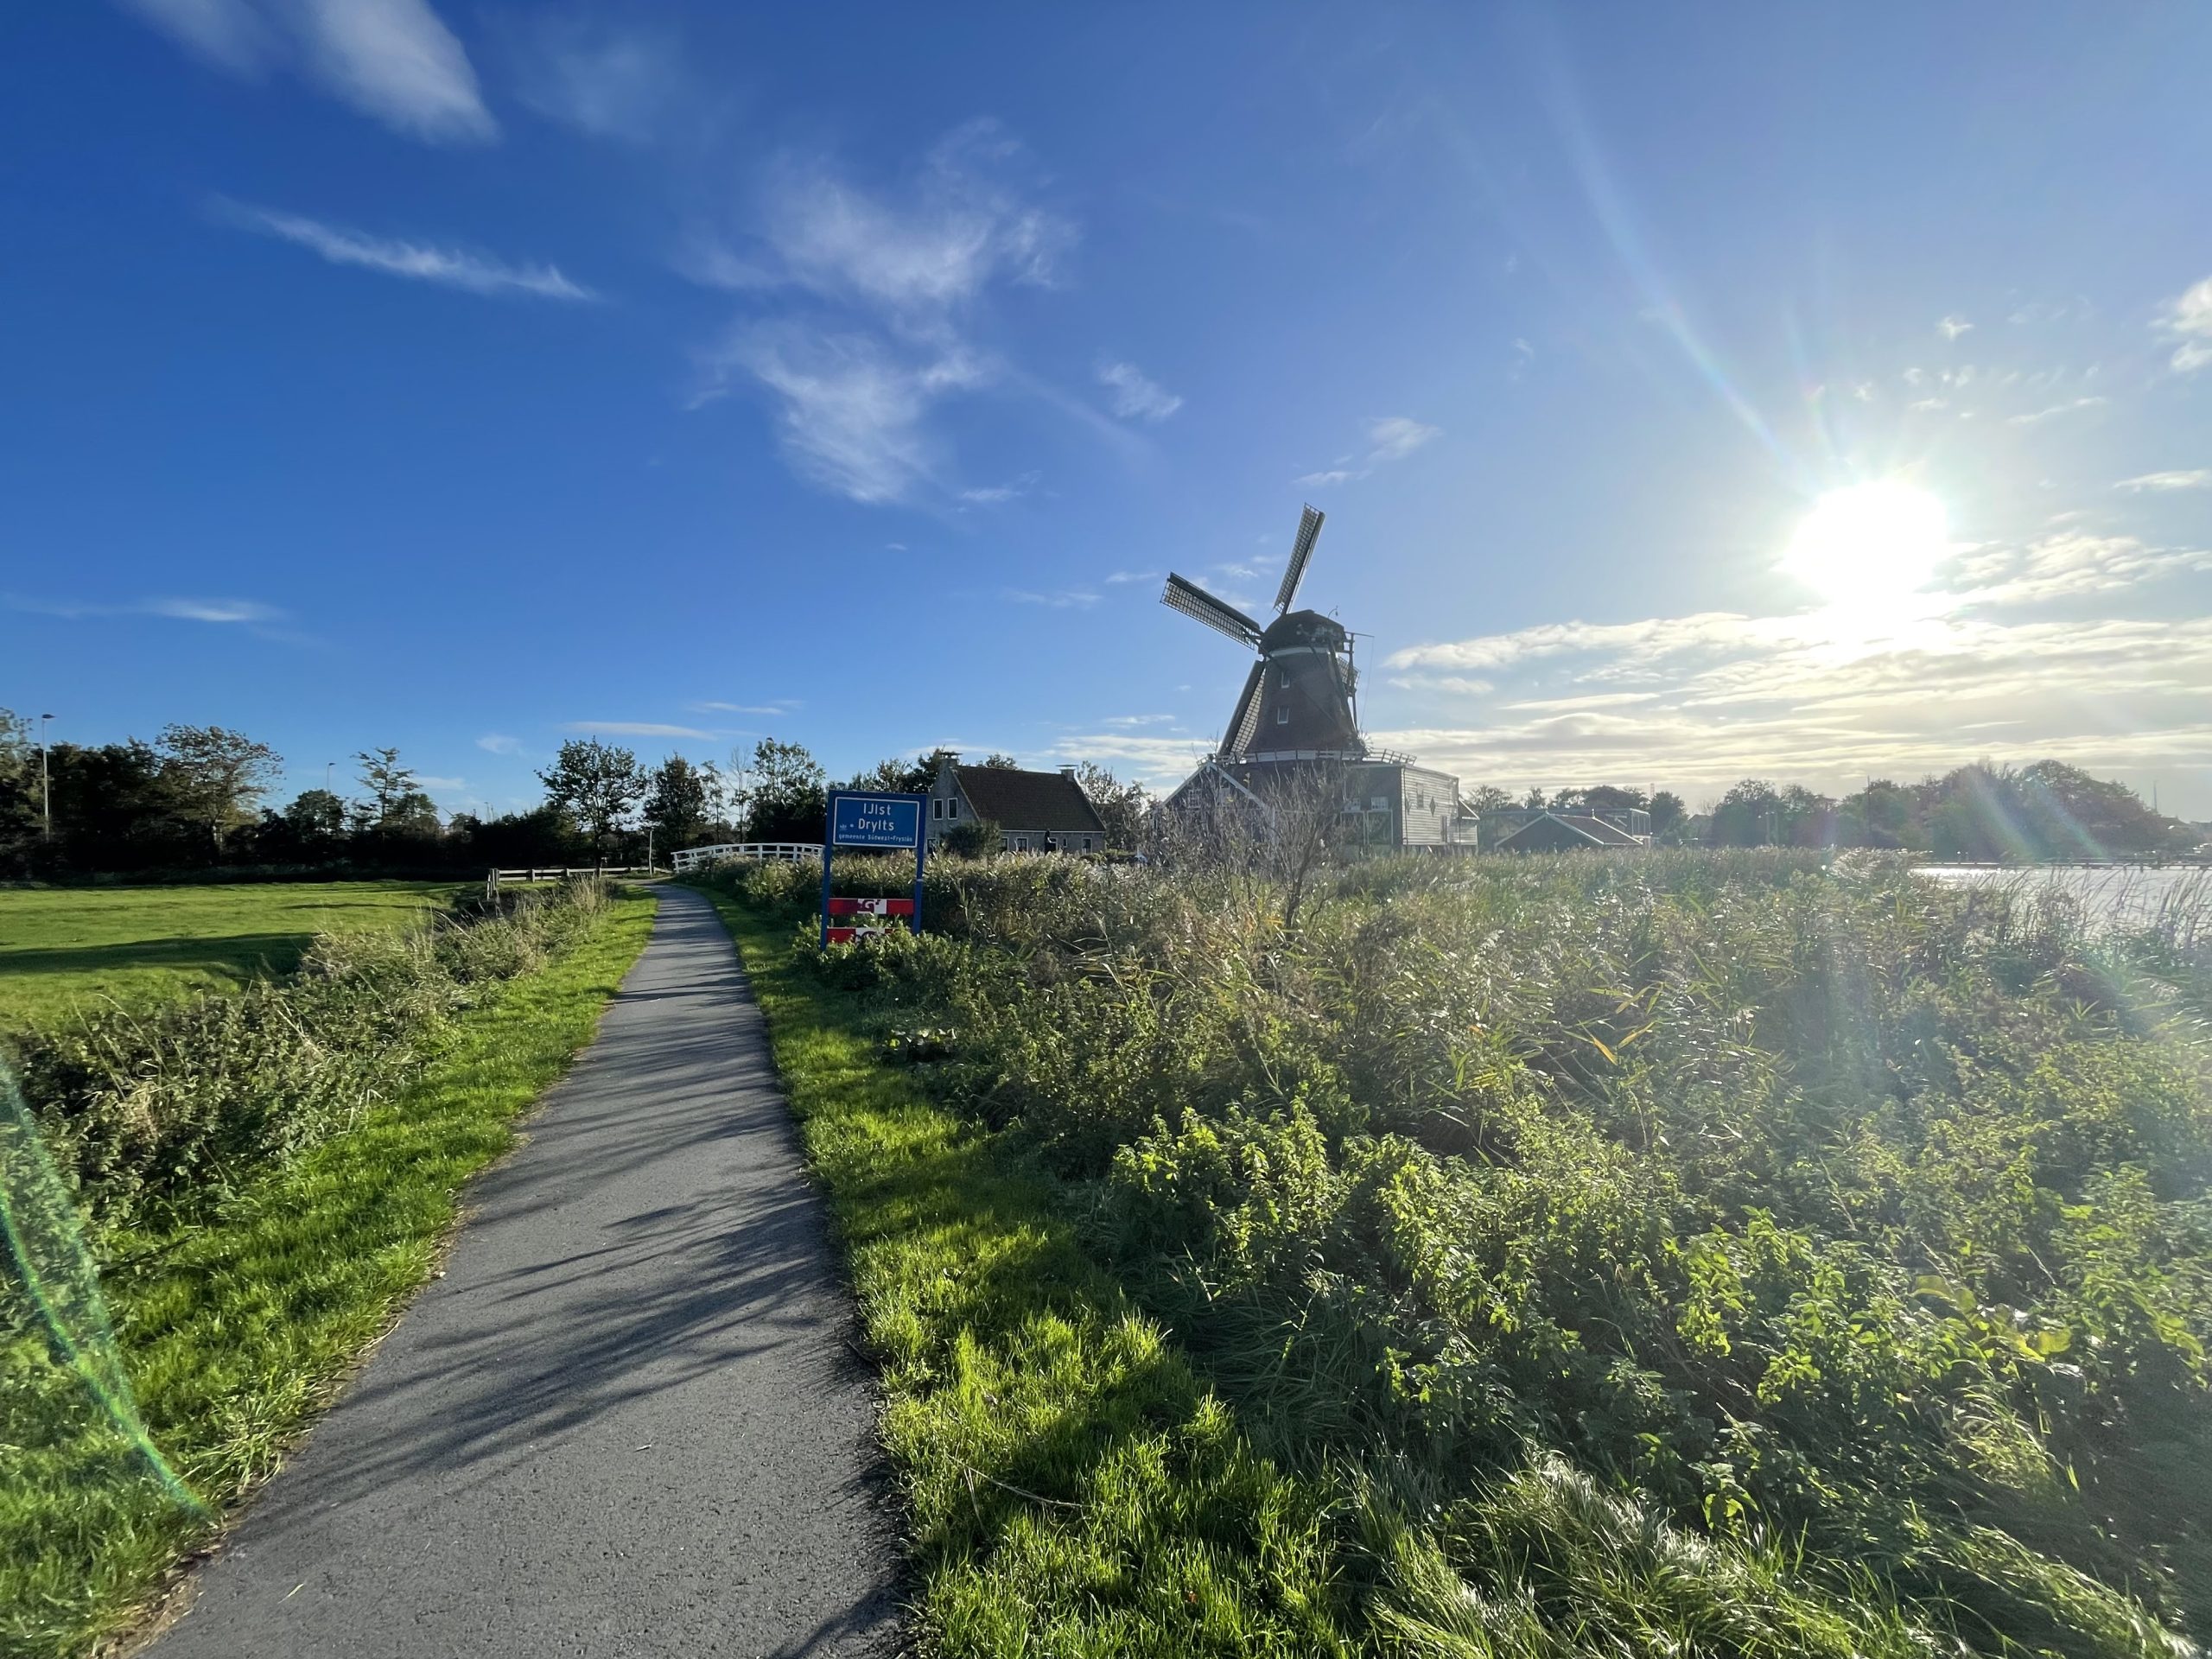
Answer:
(871, 907)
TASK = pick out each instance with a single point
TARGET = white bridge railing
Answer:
(764, 852)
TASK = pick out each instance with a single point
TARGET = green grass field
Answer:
(235, 1328)
(62, 949)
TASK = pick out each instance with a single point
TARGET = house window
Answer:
(937, 809)
(952, 808)
(1282, 714)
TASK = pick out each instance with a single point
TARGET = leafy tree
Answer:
(895, 777)
(598, 783)
(973, 838)
(781, 792)
(414, 814)
(1489, 799)
(1880, 815)
(217, 776)
(1599, 797)
(315, 815)
(19, 791)
(1668, 813)
(387, 781)
(1007, 761)
(677, 804)
(1124, 808)
(1754, 813)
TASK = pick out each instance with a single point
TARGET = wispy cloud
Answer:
(2198, 478)
(851, 405)
(418, 262)
(2188, 319)
(600, 79)
(393, 59)
(1066, 600)
(993, 495)
(781, 706)
(247, 612)
(2067, 408)
(1137, 395)
(1390, 437)
(213, 610)
(896, 276)
(1394, 437)
(960, 228)
(1952, 327)
(499, 743)
(1134, 575)
(633, 728)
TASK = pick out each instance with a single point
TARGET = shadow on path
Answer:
(627, 1422)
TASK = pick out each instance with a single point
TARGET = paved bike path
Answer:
(626, 1421)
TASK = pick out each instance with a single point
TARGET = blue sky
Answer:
(464, 377)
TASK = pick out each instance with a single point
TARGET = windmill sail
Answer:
(1244, 724)
(1309, 531)
(1194, 601)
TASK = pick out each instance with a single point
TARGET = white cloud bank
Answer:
(392, 59)
(1696, 702)
(474, 273)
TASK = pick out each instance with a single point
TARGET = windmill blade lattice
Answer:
(1195, 602)
(1309, 531)
(1244, 724)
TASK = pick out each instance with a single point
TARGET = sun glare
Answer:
(1869, 543)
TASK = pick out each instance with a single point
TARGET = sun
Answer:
(1869, 543)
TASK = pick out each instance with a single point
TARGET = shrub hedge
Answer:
(173, 1112)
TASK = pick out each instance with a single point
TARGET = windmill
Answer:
(1297, 701)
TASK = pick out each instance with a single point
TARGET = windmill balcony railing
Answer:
(1383, 757)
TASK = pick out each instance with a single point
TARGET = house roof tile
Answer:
(1051, 802)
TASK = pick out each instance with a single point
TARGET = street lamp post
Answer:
(45, 781)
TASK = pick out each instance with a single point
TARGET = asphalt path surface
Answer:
(628, 1421)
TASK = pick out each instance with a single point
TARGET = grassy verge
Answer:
(64, 949)
(1073, 1489)
(237, 1332)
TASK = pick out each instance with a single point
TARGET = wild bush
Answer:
(178, 1109)
(1798, 1239)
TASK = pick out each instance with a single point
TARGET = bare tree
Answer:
(1271, 833)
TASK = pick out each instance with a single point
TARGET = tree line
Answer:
(199, 798)
(1985, 811)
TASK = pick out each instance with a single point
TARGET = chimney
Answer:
(1068, 773)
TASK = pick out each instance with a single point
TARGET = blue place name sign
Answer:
(893, 821)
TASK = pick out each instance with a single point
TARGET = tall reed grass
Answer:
(1738, 1252)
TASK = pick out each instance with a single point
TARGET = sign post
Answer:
(863, 818)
